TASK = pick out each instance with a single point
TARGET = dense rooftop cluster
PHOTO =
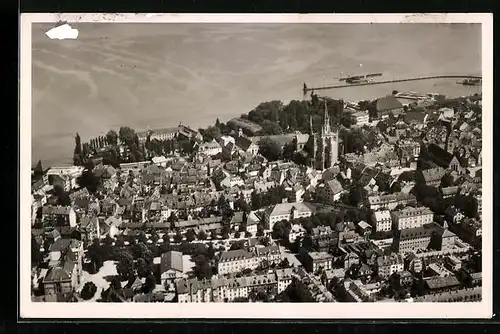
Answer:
(243, 212)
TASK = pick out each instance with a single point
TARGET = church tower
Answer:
(315, 142)
(329, 142)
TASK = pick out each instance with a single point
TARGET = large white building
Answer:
(391, 201)
(287, 211)
(223, 289)
(67, 174)
(382, 220)
(210, 148)
(412, 217)
(234, 261)
(360, 118)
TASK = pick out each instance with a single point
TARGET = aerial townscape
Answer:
(315, 200)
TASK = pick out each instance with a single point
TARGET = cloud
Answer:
(62, 32)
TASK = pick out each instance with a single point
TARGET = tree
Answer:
(202, 268)
(88, 291)
(242, 204)
(115, 283)
(346, 120)
(202, 235)
(289, 150)
(307, 243)
(468, 204)
(36, 256)
(260, 231)
(225, 232)
(237, 234)
(210, 251)
(77, 154)
(284, 264)
(178, 236)
(271, 128)
(88, 180)
(112, 137)
(355, 196)
(447, 180)
(38, 170)
(143, 269)
(210, 133)
(256, 199)
(150, 284)
(248, 234)
(213, 235)
(190, 235)
(240, 244)
(270, 149)
(125, 265)
(126, 136)
(62, 196)
(140, 250)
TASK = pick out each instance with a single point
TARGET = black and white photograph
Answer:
(245, 162)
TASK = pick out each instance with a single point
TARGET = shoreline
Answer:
(60, 161)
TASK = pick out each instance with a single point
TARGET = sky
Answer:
(157, 75)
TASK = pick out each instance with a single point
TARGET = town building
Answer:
(330, 191)
(391, 201)
(413, 239)
(65, 176)
(287, 211)
(168, 133)
(314, 261)
(407, 151)
(171, 267)
(453, 296)
(382, 220)
(438, 284)
(389, 264)
(387, 105)
(59, 216)
(431, 177)
(234, 261)
(65, 270)
(210, 148)
(412, 217)
(360, 118)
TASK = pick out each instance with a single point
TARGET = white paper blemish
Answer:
(150, 15)
(62, 32)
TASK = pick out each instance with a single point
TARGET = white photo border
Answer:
(29, 309)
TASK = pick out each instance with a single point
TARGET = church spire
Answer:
(311, 130)
(326, 125)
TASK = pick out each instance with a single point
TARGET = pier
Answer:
(307, 89)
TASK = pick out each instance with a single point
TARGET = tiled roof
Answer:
(442, 282)
(335, 186)
(284, 208)
(232, 255)
(56, 210)
(171, 260)
(388, 103)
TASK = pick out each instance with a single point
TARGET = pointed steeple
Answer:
(445, 225)
(326, 125)
(311, 131)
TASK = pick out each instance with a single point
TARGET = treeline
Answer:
(124, 146)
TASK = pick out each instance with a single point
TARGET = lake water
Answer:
(157, 75)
